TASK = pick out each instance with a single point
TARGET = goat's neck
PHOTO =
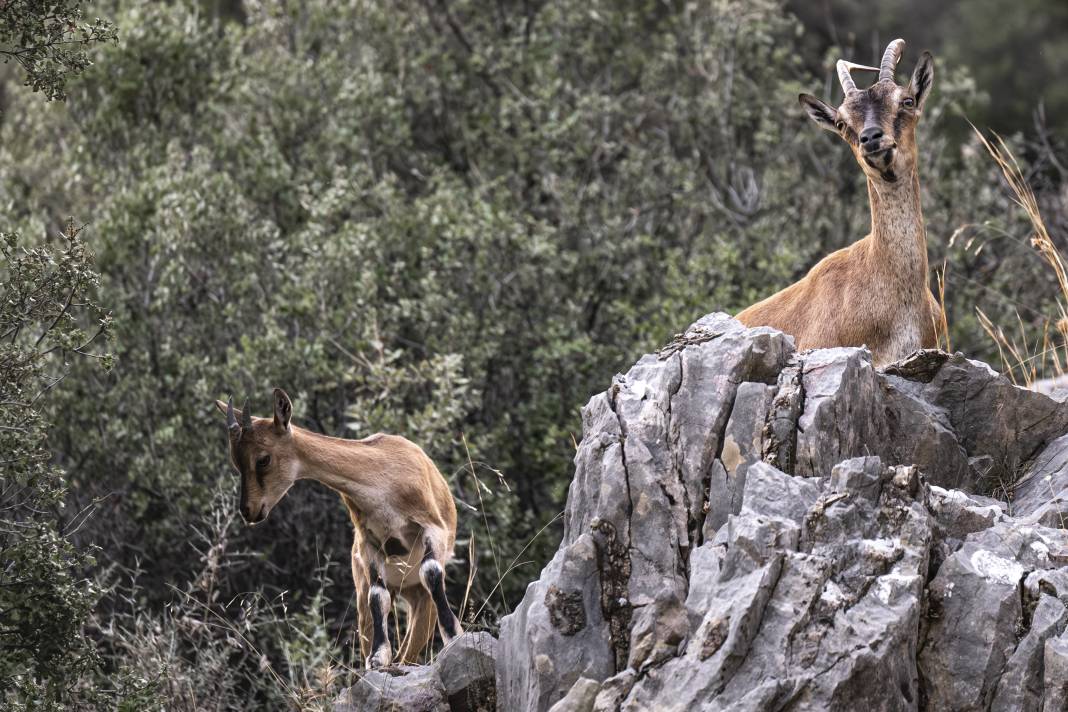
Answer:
(898, 235)
(342, 465)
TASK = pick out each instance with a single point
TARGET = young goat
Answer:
(875, 291)
(403, 516)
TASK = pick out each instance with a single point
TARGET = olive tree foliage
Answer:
(48, 320)
(438, 219)
(49, 41)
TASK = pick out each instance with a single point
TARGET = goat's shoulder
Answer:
(380, 439)
(410, 468)
(394, 445)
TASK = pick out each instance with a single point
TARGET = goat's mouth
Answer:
(879, 156)
(260, 518)
(882, 161)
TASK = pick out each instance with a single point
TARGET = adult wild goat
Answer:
(403, 516)
(875, 291)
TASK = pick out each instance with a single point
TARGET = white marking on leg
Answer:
(425, 571)
(433, 578)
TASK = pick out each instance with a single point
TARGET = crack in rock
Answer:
(613, 563)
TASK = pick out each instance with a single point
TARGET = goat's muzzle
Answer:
(253, 518)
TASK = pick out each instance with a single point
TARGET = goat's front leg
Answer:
(432, 576)
(380, 604)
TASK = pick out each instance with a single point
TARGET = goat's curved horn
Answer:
(231, 419)
(890, 59)
(246, 417)
(844, 68)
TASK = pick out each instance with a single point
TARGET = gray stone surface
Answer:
(400, 689)
(1055, 674)
(467, 669)
(580, 697)
(989, 416)
(1019, 689)
(1041, 494)
(975, 606)
(636, 505)
(742, 441)
(751, 528)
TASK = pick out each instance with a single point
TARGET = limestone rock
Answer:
(752, 528)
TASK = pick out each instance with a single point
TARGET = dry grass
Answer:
(1026, 360)
(941, 325)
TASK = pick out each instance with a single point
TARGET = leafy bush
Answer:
(49, 41)
(47, 318)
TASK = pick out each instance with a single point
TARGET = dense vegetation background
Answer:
(451, 220)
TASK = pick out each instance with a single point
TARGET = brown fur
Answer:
(393, 493)
(873, 292)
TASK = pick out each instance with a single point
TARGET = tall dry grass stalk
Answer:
(1025, 361)
(941, 325)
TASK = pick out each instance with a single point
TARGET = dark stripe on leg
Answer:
(377, 621)
(380, 603)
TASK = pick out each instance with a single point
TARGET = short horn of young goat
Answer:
(231, 419)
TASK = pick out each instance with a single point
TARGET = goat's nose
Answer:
(870, 136)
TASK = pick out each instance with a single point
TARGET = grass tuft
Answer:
(1025, 361)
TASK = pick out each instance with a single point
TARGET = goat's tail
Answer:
(422, 619)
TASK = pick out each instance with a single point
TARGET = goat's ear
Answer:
(922, 79)
(221, 406)
(283, 410)
(821, 113)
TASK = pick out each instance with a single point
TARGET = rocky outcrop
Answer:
(460, 679)
(752, 528)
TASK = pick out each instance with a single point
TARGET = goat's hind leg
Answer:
(380, 603)
(361, 579)
(432, 575)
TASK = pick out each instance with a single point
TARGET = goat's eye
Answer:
(261, 464)
(840, 125)
(909, 102)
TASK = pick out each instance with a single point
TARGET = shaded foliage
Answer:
(439, 220)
